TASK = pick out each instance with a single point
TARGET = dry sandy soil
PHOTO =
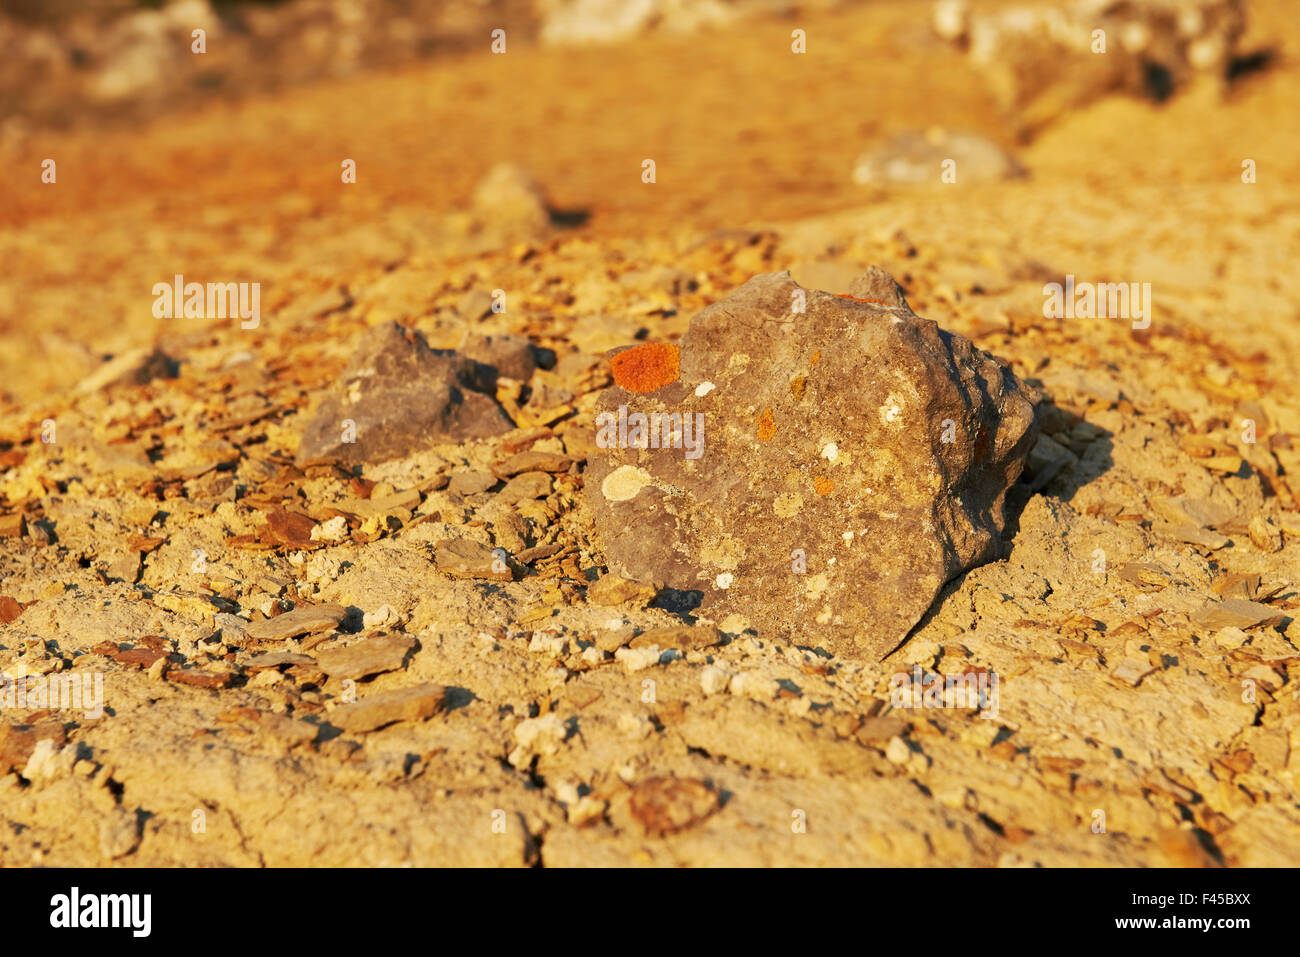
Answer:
(1130, 728)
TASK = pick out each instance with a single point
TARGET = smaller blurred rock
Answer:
(508, 200)
(920, 157)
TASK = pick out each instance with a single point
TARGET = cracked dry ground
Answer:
(160, 507)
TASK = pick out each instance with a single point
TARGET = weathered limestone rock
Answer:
(827, 470)
(508, 200)
(398, 396)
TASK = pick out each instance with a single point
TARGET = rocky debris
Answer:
(19, 742)
(1236, 613)
(533, 461)
(666, 805)
(1047, 459)
(135, 367)
(541, 735)
(291, 528)
(471, 481)
(679, 637)
(199, 678)
(462, 558)
(508, 200)
(588, 22)
(121, 61)
(617, 590)
(819, 474)
(524, 487)
(1197, 512)
(398, 396)
(923, 157)
(288, 731)
(10, 610)
(1042, 60)
(1194, 535)
(578, 22)
(1264, 534)
(303, 620)
(1238, 586)
(119, 833)
(377, 710)
(371, 656)
(505, 355)
(276, 659)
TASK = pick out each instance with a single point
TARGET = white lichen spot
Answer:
(831, 452)
(892, 410)
(724, 580)
(704, 388)
(624, 483)
(847, 536)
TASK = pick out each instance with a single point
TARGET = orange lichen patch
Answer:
(839, 295)
(766, 426)
(797, 385)
(823, 485)
(647, 368)
(816, 358)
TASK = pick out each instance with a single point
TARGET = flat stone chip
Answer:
(303, 620)
(369, 657)
(376, 711)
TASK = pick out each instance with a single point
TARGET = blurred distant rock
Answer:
(921, 157)
(508, 201)
(1043, 60)
(565, 22)
(126, 58)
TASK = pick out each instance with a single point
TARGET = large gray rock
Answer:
(397, 396)
(852, 459)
